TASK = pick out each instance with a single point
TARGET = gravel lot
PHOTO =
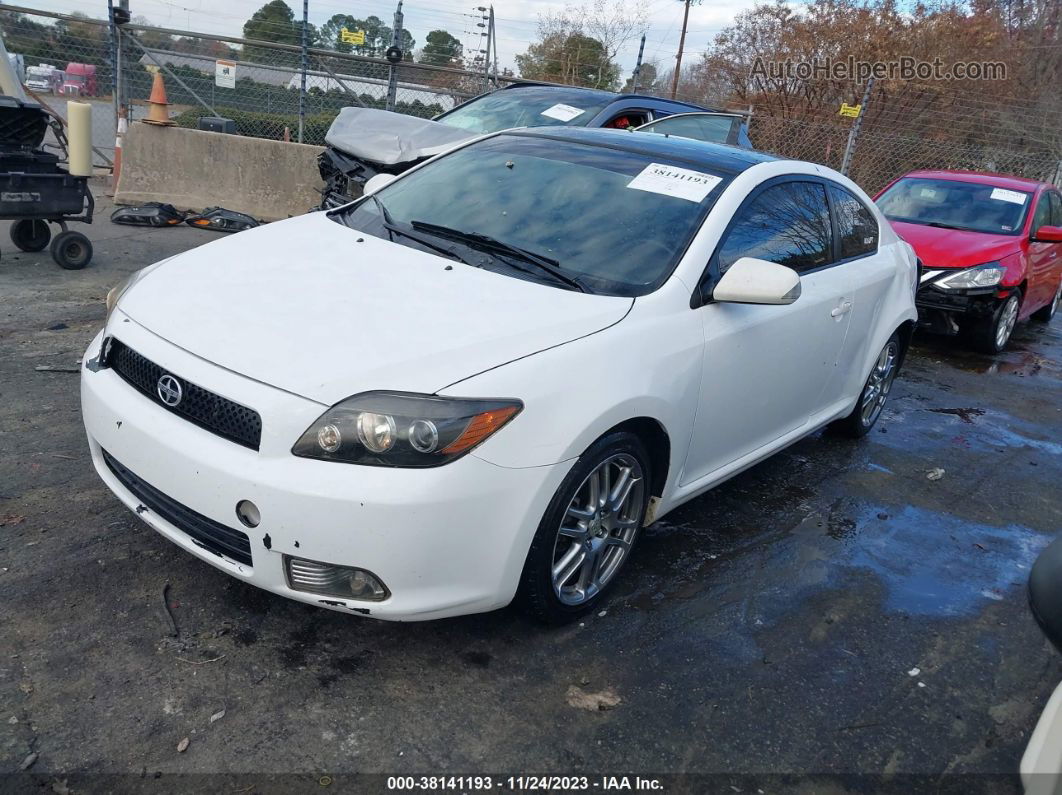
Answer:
(831, 611)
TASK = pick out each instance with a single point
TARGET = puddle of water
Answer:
(937, 564)
(969, 428)
(1023, 358)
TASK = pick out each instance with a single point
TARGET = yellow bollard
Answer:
(79, 138)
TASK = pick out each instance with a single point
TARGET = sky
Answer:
(516, 20)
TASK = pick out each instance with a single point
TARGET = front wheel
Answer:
(588, 531)
(992, 335)
(875, 392)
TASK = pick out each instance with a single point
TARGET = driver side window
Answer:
(788, 223)
(1056, 209)
(1042, 217)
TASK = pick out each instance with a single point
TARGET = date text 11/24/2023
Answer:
(524, 783)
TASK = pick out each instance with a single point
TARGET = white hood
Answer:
(302, 306)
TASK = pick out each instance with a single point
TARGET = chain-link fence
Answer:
(932, 126)
(924, 127)
(263, 98)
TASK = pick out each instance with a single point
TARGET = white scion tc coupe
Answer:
(479, 381)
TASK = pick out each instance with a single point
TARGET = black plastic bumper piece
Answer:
(212, 536)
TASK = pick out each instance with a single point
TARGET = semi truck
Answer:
(80, 80)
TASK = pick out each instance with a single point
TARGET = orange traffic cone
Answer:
(157, 113)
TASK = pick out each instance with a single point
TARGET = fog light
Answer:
(343, 582)
(248, 514)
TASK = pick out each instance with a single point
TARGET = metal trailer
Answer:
(36, 191)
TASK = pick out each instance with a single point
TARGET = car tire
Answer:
(874, 393)
(1045, 313)
(578, 551)
(991, 336)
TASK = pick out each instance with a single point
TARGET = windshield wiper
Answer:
(937, 224)
(394, 229)
(491, 244)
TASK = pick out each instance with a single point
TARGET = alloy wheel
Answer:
(598, 529)
(1007, 318)
(879, 384)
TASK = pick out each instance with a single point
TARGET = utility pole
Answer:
(112, 41)
(638, 67)
(305, 64)
(490, 42)
(494, 42)
(394, 57)
(682, 44)
(853, 134)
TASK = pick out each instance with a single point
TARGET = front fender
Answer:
(647, 365)
(1017, 270)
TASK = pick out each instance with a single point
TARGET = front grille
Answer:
(207, 533)
(212, 412)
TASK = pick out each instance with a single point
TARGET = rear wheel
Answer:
(588, 531)
(993, 334)
(30, 234)
(1044, 314)
(875, 392)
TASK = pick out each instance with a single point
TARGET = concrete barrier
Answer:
(192, 169)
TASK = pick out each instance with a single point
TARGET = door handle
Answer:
(843, 309)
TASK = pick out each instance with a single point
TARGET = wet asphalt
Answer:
(830, 611)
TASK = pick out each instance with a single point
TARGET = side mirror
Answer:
(756, 281)
(375, 183)
(1048, 234)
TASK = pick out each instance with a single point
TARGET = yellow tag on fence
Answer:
(849, 110)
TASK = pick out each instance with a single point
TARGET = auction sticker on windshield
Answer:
(1012, 196)
(562, 112)
(682, 183)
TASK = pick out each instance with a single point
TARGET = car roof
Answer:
(603, 94)
(718, 158)
(980, 178)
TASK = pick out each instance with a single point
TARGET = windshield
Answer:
(530, 106)
(79, 79)
(955, 205)
(614, 220)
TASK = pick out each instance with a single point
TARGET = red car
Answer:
(990, 246)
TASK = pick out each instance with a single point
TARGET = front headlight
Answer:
(116, 292)
(982, 276)
(399, 429)
(114, 295)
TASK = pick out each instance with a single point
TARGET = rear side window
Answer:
(856, 226)
(788, 223)
(714, 129)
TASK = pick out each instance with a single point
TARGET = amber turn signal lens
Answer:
(479, 428)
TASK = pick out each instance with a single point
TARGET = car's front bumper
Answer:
(445, 541)
(943, 310)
